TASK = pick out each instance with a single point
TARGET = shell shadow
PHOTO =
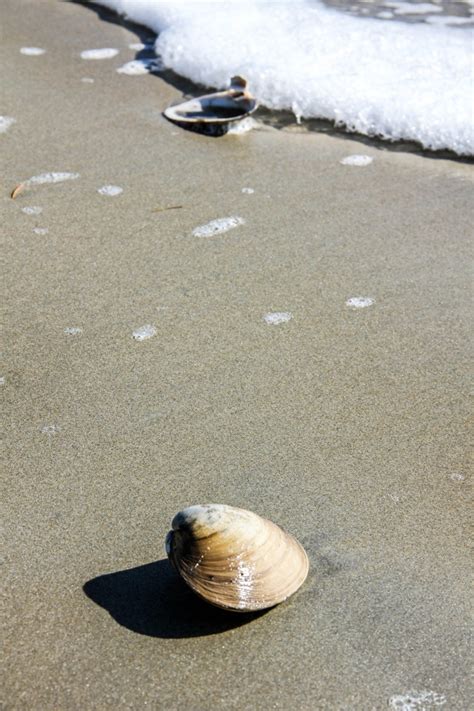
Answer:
(153, 600)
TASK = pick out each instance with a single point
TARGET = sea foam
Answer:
(390, 79)
(6, 122)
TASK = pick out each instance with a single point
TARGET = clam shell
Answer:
(233, 104)
(235, 559)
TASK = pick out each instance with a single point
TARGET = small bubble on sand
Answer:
(72, 331)
(217, 227)
(2, 380)
(51, 178)
(103, 53)
(50, 429)
(32, 51)
(248, 191)
(417, 701)
(40, 230)
(33, 210)
(360, 302)
(276, 317)
(144, 332)
(139, 67)
(457, 476)
(243, 126)
(110, 190)
(5, 123)
(358, 160)
(87, 80)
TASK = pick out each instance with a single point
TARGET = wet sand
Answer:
(345, 425)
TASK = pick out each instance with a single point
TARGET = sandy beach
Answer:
(345, 424)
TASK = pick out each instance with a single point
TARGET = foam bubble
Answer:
(51, 178)
(390, 79)
(276, 317)
(217, 227)
(40, 230)
(248, 191)
(104, 53)
(457, 476)
(110, 190)
(417, 701)
(87, 80)
(72, 331)
(358, 160)
(5, 123)
(360, 302)
(448, 20)
(144, 332)
(139, 67)
(244, 126)
(409, 8)
(50, 429)
(32, 51)
(33, 210)
(140, 46)
(2, 380)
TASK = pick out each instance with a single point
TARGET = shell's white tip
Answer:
(208, 513)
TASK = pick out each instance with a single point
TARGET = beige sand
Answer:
(346, 426)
